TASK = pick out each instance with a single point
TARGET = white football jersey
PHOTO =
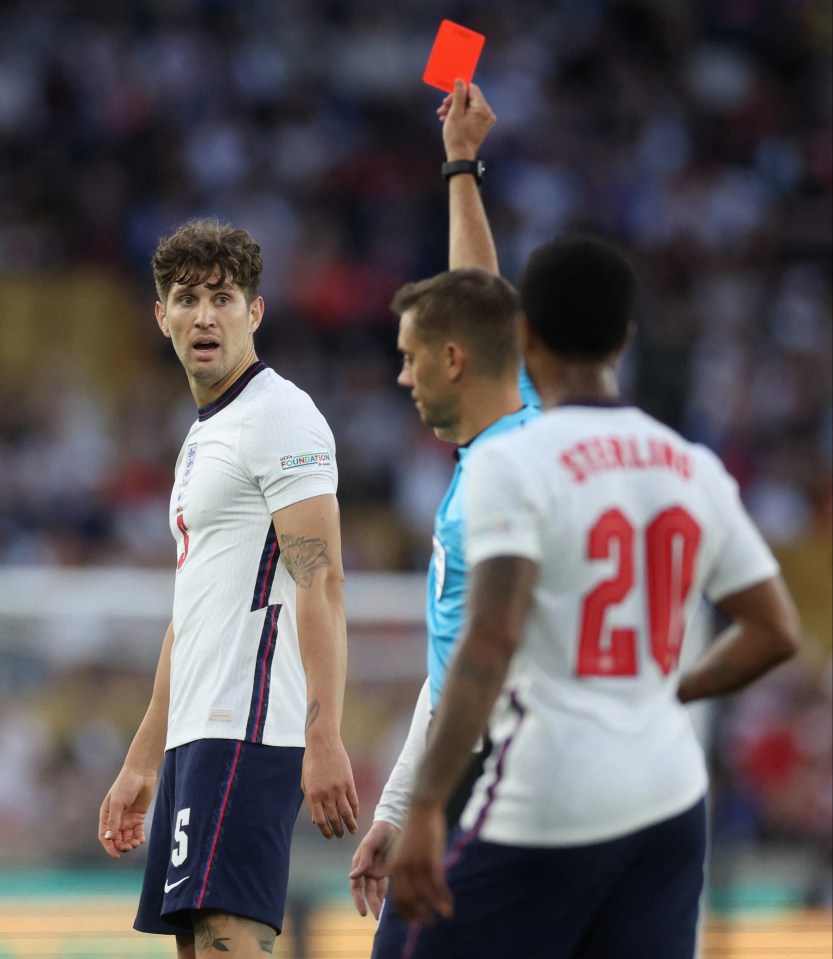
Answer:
(629, 525)
(236, 670)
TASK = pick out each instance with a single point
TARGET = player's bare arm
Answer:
(310, 531)
(121, 821)
(467, 118)
(763, 632)
(302, 556)
(312, 714)
(501, 592)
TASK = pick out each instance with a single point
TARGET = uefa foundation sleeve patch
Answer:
(296, 461)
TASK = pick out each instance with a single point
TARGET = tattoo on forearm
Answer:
(312, 713)
(303, 556)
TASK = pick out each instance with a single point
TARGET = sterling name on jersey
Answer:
(236, 670)
(628, 525)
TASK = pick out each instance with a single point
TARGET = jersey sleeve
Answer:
(744, 558)
(290, 453)
(502, 511)
(396, 796)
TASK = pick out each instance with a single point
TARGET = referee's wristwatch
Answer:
(475, 167)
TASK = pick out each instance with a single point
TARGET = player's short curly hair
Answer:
(201, 246)
(578, 294)
(479, 309)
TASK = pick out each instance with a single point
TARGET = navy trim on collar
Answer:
(600, 401)
(463, 448)
(236, 388)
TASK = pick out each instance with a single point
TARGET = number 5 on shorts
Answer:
(180, 851)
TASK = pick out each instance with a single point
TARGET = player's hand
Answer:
(121, 818)
(327, 782)
(417, 881)
(368, 876)
(466, 118)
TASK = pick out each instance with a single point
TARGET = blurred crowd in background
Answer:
(695, 133)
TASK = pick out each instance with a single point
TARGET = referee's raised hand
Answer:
(466, 119)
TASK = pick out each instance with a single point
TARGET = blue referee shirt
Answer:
(446, 600)
(528, 392)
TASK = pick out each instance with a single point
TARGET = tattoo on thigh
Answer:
(207, 936)
(303, 556)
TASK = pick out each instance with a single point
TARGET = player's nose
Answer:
(205, 315)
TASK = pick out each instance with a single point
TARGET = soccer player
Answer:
(591, 535)
(458, 336)
(247, 701)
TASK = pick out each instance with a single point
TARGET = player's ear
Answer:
(256, 309)
(161, 318)
(619, 349)
(630, 333)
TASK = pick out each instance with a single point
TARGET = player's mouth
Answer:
(206, 348)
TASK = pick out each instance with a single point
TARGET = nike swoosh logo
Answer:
(172, 885)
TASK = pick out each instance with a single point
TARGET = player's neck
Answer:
(578, 381)
(206, 392)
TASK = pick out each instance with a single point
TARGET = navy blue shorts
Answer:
(392, 931)
(635, 896)
(221, 832)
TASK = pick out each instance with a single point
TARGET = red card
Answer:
(455, 54)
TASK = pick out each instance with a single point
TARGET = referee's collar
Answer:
(499, 426)
(604, 402)
(236, 388)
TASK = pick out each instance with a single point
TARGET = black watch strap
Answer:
(475, 167)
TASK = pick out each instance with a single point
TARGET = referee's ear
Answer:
(455, 360)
